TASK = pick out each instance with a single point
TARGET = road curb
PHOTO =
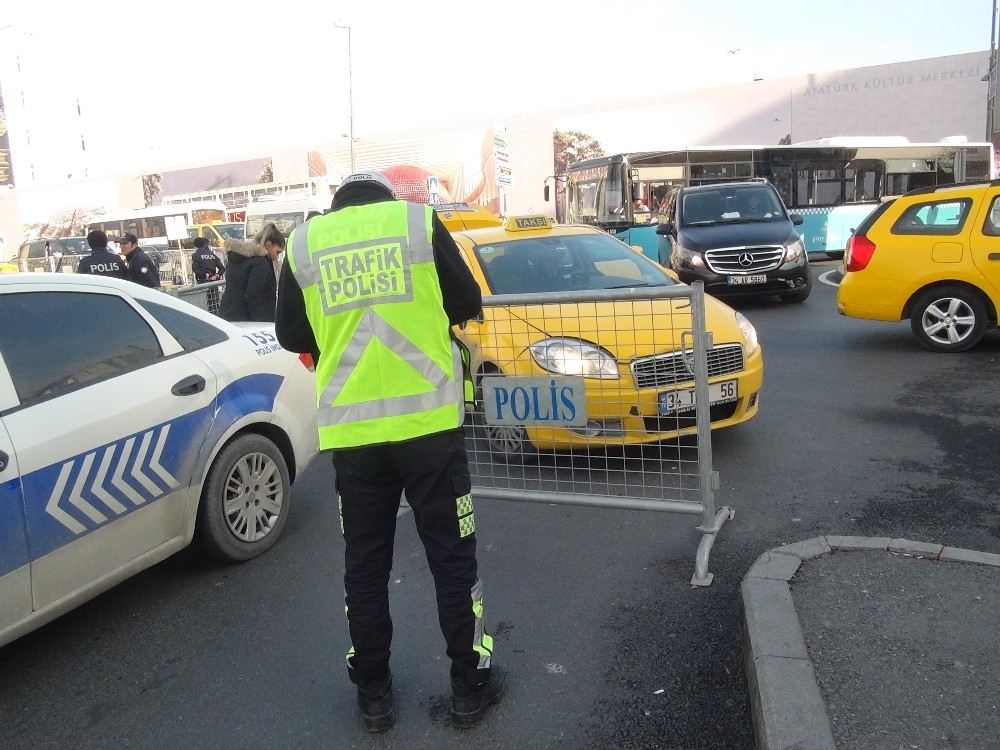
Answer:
(787, 705)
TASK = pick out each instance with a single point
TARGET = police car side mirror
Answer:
(796, 219)
(665, 229)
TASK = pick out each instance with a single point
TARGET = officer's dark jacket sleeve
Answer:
(461, 295)
(290, 322)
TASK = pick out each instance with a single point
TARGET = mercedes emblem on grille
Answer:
(745, 260)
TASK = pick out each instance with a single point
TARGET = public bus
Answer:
(833, 183)
(285, 211)
(160, 226)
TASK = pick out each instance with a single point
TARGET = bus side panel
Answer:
(644, 237)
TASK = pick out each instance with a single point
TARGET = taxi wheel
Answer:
(244, 503)
(507, 444)
(948, 319)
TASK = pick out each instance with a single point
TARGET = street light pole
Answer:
(350, 92)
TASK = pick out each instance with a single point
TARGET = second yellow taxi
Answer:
(633, 355)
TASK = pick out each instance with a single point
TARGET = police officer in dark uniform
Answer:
(101, 261)
(141, 269)
(205, 264)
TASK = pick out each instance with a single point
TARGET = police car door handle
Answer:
(189, 386)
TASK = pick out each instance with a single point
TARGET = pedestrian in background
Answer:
(101, 261)
(251, 283)
(206, 267)
(371, 283)
(141, 269)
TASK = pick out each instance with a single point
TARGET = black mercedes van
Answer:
(738, 238)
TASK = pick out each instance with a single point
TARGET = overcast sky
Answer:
(224, 77)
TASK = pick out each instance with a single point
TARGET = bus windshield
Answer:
(596, 195)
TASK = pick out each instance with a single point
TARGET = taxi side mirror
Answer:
(665, 229)
(546, 193)
(796, 219)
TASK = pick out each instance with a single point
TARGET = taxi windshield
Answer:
(565, 263)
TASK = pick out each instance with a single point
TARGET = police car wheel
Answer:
(245, 500)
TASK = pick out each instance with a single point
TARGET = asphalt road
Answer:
(606, 643)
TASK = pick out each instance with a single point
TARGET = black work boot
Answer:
(468, 705)
(375, 702)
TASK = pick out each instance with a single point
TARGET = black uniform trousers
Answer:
(434, 472)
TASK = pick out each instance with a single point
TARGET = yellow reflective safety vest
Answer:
(388, 369)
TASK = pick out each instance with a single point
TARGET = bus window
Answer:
(862, 180)
(153, 226)
(819, 185)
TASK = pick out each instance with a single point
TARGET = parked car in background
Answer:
(737, 238)
(931, 256)
(122, 443)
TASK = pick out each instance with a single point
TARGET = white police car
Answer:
(130, 424)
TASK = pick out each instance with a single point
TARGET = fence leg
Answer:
(701, 575)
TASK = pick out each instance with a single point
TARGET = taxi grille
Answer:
(745, 259)
(667, 369)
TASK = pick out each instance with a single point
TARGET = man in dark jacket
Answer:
(141, 269)
(420, 448)
(101, 261)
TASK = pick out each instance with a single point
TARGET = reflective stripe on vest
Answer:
(353, 292)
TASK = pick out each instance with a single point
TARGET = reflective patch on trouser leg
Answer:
(340, 512)
(482, 642)
(466, 520)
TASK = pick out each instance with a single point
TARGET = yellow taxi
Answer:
(456, 216)
(932, 256)
(631, 358)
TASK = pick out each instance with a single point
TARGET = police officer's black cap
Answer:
(97, 239)
(128, 237)
(200, 242)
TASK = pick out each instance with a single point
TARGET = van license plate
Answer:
(759, 278)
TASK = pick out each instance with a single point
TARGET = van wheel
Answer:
(948, 319)
(245, 500)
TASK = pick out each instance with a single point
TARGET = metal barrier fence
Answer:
(206, 296)
(620, 422)
(174, 265)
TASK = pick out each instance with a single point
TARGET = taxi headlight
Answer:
(750, 344)
(572, 357)
(794, 252)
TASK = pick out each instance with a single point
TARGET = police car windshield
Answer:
(564, 263)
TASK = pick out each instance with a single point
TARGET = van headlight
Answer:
(572, 357)
(687, 258)
(750, 343)
(795, 251)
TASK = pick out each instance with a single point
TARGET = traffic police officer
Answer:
(371, 289)
(141, 269)
(101, 261)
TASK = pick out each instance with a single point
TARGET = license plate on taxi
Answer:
(671, 402)
(755, 278)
